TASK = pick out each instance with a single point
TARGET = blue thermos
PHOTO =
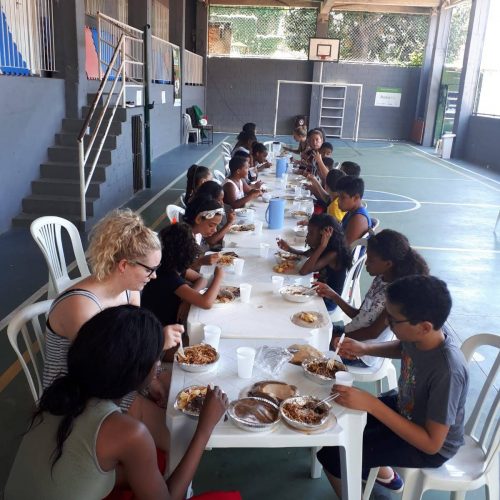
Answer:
(281, 165)
(275, 213)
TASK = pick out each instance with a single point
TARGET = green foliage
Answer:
(300, 25)
(458, 35)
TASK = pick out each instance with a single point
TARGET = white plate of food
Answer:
(297, 293)
(286, 267)
(190, 400)
(224, 297)
(320, 372)
(245, 214)
(198, 358)
(274, 390)
(226, 259)
(282, 256)
(242, 228)
(309, 319)
(304, 413)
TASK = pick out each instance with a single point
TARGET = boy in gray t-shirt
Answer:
(423, 425)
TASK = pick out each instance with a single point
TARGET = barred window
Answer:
(264, 32)
(396, 39)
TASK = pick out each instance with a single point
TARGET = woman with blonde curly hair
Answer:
(124, 255)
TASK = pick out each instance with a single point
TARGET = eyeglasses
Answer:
(151, 270)
(210, 214)
(392, 321)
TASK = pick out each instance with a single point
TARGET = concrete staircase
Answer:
(57, 191)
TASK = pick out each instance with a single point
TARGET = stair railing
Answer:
(121, 56)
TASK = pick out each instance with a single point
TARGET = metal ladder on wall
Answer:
(125, 69)
(332, 109)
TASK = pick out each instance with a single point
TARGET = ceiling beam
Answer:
(384, 9)
(268, 3)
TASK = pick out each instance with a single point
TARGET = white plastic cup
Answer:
(212, 335)
(264, 250)
(238, 265)
(246, 358)
(207, 272)
(245, 292)
(284, 180)
(298, 190)
(277, 283)
(258, 226)
(344, 378)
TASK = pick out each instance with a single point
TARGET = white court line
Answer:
(440, 163)
(418, 178)
(458, 250)
(473, 205)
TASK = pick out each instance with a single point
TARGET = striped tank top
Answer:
(57, 346)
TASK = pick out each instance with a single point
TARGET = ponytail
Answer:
(412, 263)
(65, 398)
(194, 175)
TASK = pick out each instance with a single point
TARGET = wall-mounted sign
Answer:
(389, 97)
(176, 62)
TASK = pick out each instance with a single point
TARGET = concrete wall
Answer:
(377, 122)
(482, 141)
(244, 90)
(31, 110)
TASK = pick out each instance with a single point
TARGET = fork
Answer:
(331, 397)
(180, 350)
(331, 362)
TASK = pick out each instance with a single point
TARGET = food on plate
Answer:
(273, 389)
(227, 258)
(235, 290)
(320, 367)
(224, 296)
(299, 213)
(200, 354)
(305, 412)
(284, 267)
(191, 399)
(308, 317)
(255, 411)
(301, 352)
(287, 256)
(298, 290)
(240, 228)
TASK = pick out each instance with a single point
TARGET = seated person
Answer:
(214, 191)
(196, 176)
(323, 165)
(175, 282)
(204, 215)
(350, 168)
(245, 141)
(328, 254)
(79, 444)
(314, 141)
(299, 135)
(423, 425)
(356, 221)
(236, 191)
(259, 160)
(389, 256)
(330, 196)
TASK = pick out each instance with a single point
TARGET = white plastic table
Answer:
(346, 432)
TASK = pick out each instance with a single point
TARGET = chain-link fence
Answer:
(283, 33)
(265, 32)
(380, 38)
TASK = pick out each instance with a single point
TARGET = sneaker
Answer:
(396, 484)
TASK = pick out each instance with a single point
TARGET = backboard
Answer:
(324, 49)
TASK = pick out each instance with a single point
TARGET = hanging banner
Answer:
(176, 71)
(388, 96)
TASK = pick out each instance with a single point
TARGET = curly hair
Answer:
(121, 234)
(394, 246)
(180, 249)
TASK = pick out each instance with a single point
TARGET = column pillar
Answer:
(469, 77)
(435, 72)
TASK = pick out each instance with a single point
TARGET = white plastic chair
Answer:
(182, 200)
(46, 232)
(375, 226)
(189, 129)
(174, 213)
(350, 291)
(219, 176)
(477, 462)
(226, 148)
(27, 323)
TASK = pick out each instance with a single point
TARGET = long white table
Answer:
(265, 320)
(347, 432)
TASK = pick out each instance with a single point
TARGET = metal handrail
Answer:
(84, 153)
